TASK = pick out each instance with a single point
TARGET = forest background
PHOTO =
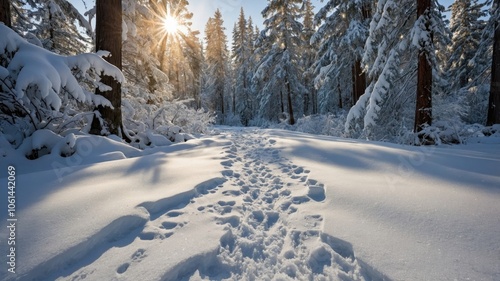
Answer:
(414, 73)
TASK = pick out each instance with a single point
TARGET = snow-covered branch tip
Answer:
(45, 83)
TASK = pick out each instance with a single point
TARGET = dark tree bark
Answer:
(290, 104)
(109, 38)
(359, 76)
(5, 13)
(423, 111)
(341, 105)
(282, 104)
(359, 81)
(314, 101)
(494, 101)
(222, 104)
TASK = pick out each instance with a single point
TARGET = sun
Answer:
(167, 24)
(170, 24)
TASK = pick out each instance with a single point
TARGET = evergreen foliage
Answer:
(358, 63)
(278, 73)
(216, 95)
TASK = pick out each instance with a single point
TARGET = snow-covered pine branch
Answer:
(41, 89)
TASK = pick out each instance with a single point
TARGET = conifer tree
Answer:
(216, 58)
(341, 37)
(307, 59)
(242, 62)
(396, 40)
(466, 26)
(55, 22)
(494, 100)
(278, 72)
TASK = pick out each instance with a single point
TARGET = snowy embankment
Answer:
(252, 204)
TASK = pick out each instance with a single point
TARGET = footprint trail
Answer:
(271, 231)
(260, 219)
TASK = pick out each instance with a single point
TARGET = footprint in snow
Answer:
(136, 257)
(316, 190)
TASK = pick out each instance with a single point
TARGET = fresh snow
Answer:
(59, 72)
(252, 204)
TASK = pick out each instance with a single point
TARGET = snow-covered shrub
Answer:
(260, 122)
(476, 102)
(43, 90)
(328, 124)
(439, 133)
(231, 119)
(444, 132)
(153, 121)
(43, 142)
(320, 124)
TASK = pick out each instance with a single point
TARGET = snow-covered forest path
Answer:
(255, 204)
(266, 213)
(268, 234)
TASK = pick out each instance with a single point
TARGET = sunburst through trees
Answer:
(178, 49)
(168, 24)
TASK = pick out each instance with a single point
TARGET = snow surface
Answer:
(251, 204)
(58, 71)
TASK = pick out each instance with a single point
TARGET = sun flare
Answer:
(167, 25)
(170, 24)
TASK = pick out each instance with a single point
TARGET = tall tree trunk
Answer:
(359, 81)
(234, 100)
(315, 101)
(494, 101)
(290, 104)
(423, 111)
(282, 105)
(52, 32)
(109, 38)
(307, 101)
(221, 96)
(367, 11)
(359, 76)
(341, 105)
(5, 13)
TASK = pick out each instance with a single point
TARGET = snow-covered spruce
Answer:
(40, 89)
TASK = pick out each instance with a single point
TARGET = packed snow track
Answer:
(252, 204)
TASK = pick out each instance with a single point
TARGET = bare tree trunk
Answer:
(423, 111)
(494, 101)
(234, 103)
(359, 76)
(359, 81)
(282, 105)
(221, 96)
(315, 101)
(290, 104)
(341, 105)
(5, 16)
(109, 38)
(52, 32)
